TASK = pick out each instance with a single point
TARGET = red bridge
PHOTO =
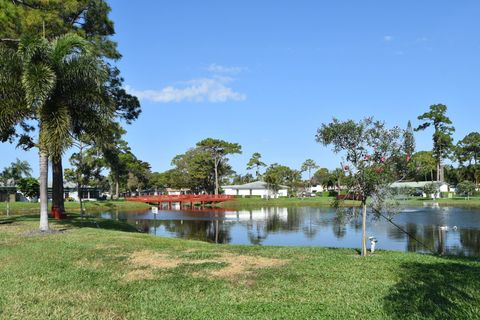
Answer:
(191, 199)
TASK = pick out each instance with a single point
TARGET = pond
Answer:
(453, 231)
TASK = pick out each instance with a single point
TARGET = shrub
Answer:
(446, 195)
(327, 194)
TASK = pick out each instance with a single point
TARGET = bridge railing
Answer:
(182, 198)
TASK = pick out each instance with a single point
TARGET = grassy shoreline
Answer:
(239, 203)
(90, 206)
(93, 273)
(326, 202)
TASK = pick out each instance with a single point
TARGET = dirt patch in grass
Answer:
(147, 258)
(228, 265)
(243, 265)
(89, 264)
(140, 274)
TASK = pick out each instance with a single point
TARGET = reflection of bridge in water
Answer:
(192, 200)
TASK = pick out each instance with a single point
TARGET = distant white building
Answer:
(257, 188)
(419, 185)
(317, 188)
(177, 192)
(70, 192)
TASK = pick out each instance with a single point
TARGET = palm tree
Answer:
(16, 171)
(62, 88)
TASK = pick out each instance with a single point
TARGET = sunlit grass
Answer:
(85, 271)
(327, 202)
(90, 206)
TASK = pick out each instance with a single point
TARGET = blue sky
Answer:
(267, 74)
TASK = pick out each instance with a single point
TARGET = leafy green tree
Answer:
(11, 175)
(138, 174)
(466, 188)
(308, 166)
(239, 179)
(442, 135)
(274, 179)
(277, 175)
(86, 169)
(454, 175)
(372, 152)
(29, 187)
(195, 169)
(322, 177)
(158, 181)
(338, 178)
(431, 189)
(16, 171)
(112, 146)
(256, 163)
(54, 18)
(468, 154)
(422, 165)
(218, 151)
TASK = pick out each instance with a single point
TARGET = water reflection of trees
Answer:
(260, 224)
(216, 231)
(470, 240)
(432, 238)
(276, 222)
(256, 233)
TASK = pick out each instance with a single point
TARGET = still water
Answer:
(453, 231)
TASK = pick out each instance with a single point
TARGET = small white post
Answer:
(373, 243)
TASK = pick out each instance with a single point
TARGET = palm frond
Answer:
(55, 129)
(68, 46)
(38, 81)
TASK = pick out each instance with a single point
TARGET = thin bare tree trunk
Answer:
(216, 177)
(364, 230)
(79, 190)
(43, 191)
(117, 188)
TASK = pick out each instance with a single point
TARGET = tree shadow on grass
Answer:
(76, 221)
(89, 222)
(447, 289)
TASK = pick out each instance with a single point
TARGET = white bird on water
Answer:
(446, 228)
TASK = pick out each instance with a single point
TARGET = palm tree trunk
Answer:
(79, 191)
(43, 191)
(57, 184)
(364, 230)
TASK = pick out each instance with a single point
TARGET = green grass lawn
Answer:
(243, 203)
(90, 206)
(90, 272)
(326, 202)
(279, 202)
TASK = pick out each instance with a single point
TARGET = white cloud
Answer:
(214, 89)
(216, 68)
(387, 38)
